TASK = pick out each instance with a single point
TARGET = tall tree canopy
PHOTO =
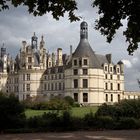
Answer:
(111, 12)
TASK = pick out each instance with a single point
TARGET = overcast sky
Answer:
(17, 25)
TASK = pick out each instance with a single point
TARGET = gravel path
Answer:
(80, 135)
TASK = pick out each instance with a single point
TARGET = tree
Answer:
(11, 112)
(41, 7)
(111, 13)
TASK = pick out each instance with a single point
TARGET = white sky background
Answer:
(17, 25)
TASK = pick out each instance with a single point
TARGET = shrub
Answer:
(69, 100)
(11, 112)
(128, 123)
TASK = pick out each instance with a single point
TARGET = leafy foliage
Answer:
(11, 112)
(112, 12)
(41, 7)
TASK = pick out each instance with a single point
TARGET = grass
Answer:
(76, 111)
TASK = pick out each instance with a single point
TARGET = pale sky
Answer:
(17, 25)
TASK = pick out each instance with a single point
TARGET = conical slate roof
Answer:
(84, 50)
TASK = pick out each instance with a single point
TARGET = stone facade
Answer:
(89, 78)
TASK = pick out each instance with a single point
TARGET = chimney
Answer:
(59, 57)
(70, 50)
(109, 57)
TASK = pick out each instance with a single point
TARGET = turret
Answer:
(42, 43)
(53, 59)
(84, 30)
(3, 51)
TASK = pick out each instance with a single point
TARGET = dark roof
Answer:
(120, 62)
(84, 50)
(84, 23)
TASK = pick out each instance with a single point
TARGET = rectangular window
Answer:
(119, 98)
(85, 71)
(75, 72)
(106, 86)
(28, 77)
(85, 61)
(29, 59)
(76, 97)
(85, 83)
(106, 76)
(106, 97)
(28, 87)
(105, 68)
(111, 97)
(111, 77)
(75, 81)
(118, 86)
(59, 76)
(111, 86)
(29, 67)
(111, 69)
(55, 86)
(75, 62)
(85, 97)
(59, 86)
(118, 70)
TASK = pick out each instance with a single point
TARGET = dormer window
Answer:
(85, 62)
(105, 68)
(118, 70)
(75, 62)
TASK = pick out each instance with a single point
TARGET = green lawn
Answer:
(76, 111)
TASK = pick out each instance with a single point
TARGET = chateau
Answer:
(89, 78)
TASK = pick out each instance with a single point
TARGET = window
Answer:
(119, 98)
(105, 68)
(106, 76)
(85, 71)
(111, 77)
(106, 86)
(85, 61)
(75, 62)
(76, 97)
(85, 83)
(80, 62)
(28, 87)
(29, 67)
(59, 76)
(111, 86)
(85, 97)
(29, 59)
(111, 69)
(75, 72)
(118, 86)
(106, 97)
(28, 77)
(55, 86)
(111, 97)
(75, 83)
(59, 86)
(118, 70)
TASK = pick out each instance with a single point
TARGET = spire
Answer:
(84, 30)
